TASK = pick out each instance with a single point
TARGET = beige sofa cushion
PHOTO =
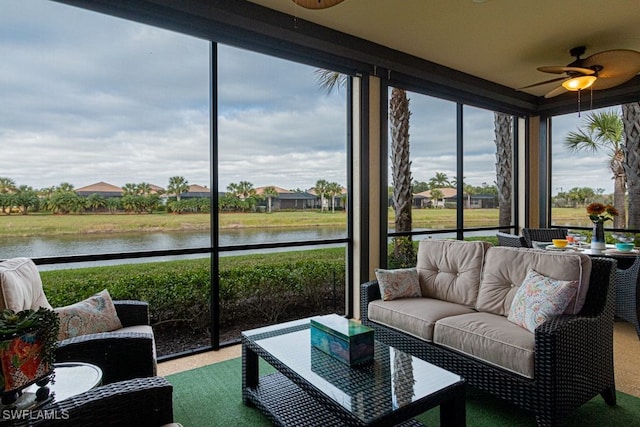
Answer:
(21, 286)
(490, 338)
(414, 316)
(450, 270)
(505, 269)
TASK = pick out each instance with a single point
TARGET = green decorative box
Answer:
(344, 339)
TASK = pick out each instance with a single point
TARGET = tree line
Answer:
(144, 198)
(63, 198)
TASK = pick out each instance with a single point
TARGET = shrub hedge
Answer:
(261, 287)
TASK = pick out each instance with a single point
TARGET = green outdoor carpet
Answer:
(211, 396)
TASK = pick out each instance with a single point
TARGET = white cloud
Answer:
(87, 97)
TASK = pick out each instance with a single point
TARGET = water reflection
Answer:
(81, 244)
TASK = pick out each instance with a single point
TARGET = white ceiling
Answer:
(502, 41)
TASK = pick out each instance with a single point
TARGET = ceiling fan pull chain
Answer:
(579, 103)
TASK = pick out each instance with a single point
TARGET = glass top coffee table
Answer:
(310, 387)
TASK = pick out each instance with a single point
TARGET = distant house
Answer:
(483, 201)
(287, 199)
(102, 188)
(339, 201)
(195, 191)
(476, 201)
(424, 199)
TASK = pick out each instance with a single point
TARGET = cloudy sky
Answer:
(86, 98)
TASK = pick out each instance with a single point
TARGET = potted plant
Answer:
(28, 342)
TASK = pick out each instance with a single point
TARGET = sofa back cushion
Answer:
(21, 286)
(450, 270)
(506, 268)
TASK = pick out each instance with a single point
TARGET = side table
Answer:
(70, 379)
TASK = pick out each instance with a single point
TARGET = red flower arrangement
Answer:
(600, 213)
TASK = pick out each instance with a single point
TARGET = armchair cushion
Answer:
(93, 315)
(21, 286)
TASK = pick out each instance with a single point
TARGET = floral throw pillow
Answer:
(398, 283)
(93, 315)
(540, 297)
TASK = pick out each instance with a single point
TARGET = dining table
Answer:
(627, 278)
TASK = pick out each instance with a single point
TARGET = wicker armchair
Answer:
(136, 402)
(543, 234)
(121, 354)
(512, 240)
(573, 359)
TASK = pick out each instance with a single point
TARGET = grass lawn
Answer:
(47, 224)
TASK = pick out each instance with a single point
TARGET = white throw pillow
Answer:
(540, 297)
(398, 283)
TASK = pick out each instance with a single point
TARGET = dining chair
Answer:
(543, 235)
(627, 293)
(512, 240)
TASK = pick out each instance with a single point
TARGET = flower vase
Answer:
(597, 238)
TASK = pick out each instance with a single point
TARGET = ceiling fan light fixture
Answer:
(579, 83)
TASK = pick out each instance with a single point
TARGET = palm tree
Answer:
(631, 148)
(504, 155)
(177, 186)
(399, 114)
(129, 189)
(95, 201)
(321, 189)
(400, 161)
(144, 188)
(7, 185)
(440, 180)
(25, 198)
(334, 189)
(270, 193)
(604, 131)
(436, 195)
(65, 187)
(244, 193)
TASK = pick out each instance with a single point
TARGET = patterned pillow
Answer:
(93, 315)
(540, 297)
(398, 283)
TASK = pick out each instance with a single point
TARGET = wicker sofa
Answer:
(460, 322)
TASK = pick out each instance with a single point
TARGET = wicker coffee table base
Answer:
(287, 398)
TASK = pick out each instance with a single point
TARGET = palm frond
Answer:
(328, 80)
(581, 141)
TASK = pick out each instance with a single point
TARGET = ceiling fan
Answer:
(601, 70)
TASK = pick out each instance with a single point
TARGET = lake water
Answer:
(82, 244)
(52, 246)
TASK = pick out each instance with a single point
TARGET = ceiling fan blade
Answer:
(555, 92)
(560, 70)
(618, 66)
(608, 82)
(543, 83)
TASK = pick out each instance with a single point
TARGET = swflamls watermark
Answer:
(37, 414)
